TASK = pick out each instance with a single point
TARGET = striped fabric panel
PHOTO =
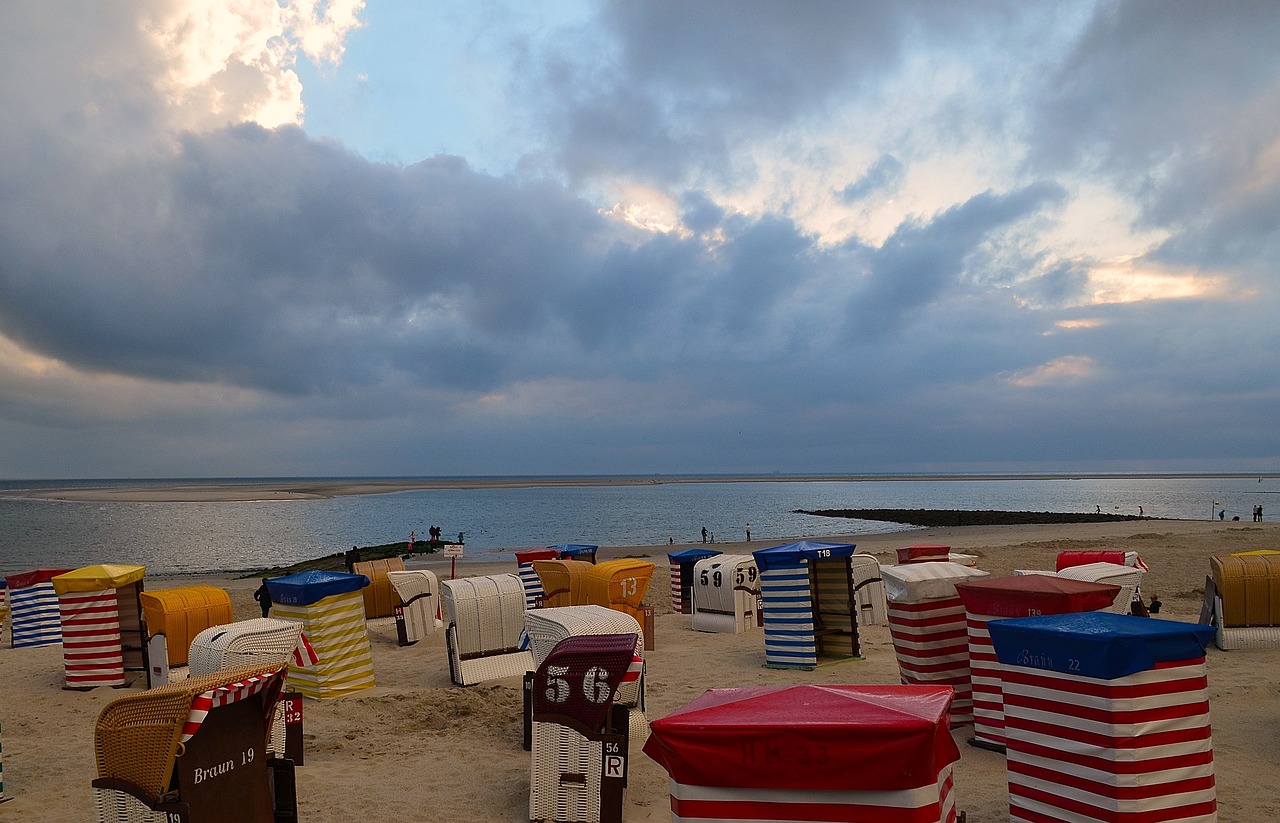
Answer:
(988, 694)
(931, 642)
(713, 804)
(91, 650)
(335, 627)
(1147, 757)
(206, 702)
(532, 584)
(33, 616)
(788, 618)
(677, 598)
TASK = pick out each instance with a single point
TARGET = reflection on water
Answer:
(198, 537)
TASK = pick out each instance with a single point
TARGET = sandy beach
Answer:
(416, 747)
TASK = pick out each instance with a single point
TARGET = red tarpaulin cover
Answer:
(26, 580)
(1032, 594)
(919, 550)
(530, 555)
(823, 738)
(1080, 558)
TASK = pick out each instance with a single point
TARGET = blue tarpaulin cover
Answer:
(1103, 645)
(305, 588)
(690, 555)
(569, 550)
(793, 554)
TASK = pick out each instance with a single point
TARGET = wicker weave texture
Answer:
(868, 591)
(1126, 577)
(379, 596)
(114, 806)
(559, 751)
(244, 643)
(181, 614)
(1232, 639)
(419, 593)
(724, 593)
(475, 670)
(487, 611)
(136, 737)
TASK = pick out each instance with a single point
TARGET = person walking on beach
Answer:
(263, 596)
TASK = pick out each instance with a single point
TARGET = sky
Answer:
(473, 237)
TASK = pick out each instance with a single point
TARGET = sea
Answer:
(218, 537)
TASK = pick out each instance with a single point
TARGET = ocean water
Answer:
(175, 538)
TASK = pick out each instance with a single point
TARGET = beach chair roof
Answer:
(925, 581)
(25, 580)
(97, 578)
(793, 554)
(1097, 644)
(574, 549)
(305, 588)
(1030, 594)
(543, 553)
(874, 738)
(687, 555)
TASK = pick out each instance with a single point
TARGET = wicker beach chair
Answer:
(579, 737)
(1245, 589)
(194, 752)
(419, 593)
(868, 590)
(379, 595)
(485, 632)
(1128, 578)
(725, 592)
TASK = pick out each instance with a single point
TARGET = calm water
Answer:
(200, 537)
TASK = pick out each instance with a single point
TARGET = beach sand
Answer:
(416, 747)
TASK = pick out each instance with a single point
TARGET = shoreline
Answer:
(363, 749)
(219, 491)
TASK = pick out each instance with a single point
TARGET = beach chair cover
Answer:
(1080, 557)
(138, 738)
(923, 553)
(805, 585)
(102, 626)
(577, 551)
(747, 754)
(726, 588)
(548, 627)
(1106, 718)
(682, 563)
(419, 593)
(379, 597)
(485, 628)
(929, 630)
(329, 609)
(1008, 597)
(619, 584)
(181, 614)
(33, 608)
(573, 694)
(1127, 578)
(564, 582)
(524, 568)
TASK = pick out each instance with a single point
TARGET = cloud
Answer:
(884, 176)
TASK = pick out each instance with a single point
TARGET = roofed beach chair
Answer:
(379, 596)
(194, 752)
(485, 628)
(1246, 600)
(1128, 578)
(419, 593)
(868, 590)
(726, 593)
(579, 736)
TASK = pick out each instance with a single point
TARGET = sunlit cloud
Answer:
(1128, 280)
(1062, 370)
(1076, 325)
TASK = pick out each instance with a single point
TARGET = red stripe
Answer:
(1105, 741)
(818, 812)
(1143, 766)
(1109, 789)
(1110, 690)
(1107, 816)
(1105, 715)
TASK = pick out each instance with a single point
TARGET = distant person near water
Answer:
(748, 532)
(1222, 514)
(263, 596)
(704, 534)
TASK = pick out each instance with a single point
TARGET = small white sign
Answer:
(453, 550)
(615, 766)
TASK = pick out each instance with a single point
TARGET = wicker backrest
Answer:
(137, 736)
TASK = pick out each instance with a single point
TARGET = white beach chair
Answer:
(1127, 578)
(419, 593)
(485, 632)
(868, 590)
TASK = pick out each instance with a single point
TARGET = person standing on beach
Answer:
(704, 534)
(748, 532)
(263, 596)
